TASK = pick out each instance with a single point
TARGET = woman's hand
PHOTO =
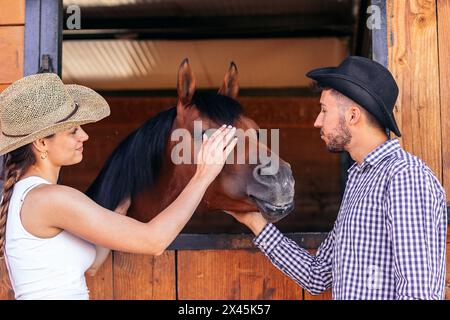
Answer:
(214, 152)
(123, 207)
(253, 220)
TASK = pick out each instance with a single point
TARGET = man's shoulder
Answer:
(406, 164)
(402, 160)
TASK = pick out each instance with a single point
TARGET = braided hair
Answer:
(15, 164)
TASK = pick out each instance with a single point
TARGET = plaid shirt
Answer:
(389, 238)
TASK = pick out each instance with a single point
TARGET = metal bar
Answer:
(238, 241)
(167, 34)
(217, 27)
(243, 92)
(51, 32)
(379, 36)
(32, 54)
(296, 21)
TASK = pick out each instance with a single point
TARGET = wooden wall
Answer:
(418, 35)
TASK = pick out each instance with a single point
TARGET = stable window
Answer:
(130, 53)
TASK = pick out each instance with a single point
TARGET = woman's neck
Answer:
(50, 174)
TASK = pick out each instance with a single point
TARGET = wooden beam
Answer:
(12, 12)
(243, 92)
(443, 15)
(239, 241)
(144, 277)
(217, 27)
(413, 60)
(232, 275)
(11, 53)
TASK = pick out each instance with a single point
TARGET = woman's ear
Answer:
(40, 145)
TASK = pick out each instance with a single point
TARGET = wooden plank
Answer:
(12, 12)
(6, 292)
(444, 77)
(11, 53)
(143, 277)
(3, 86)
(101, 285)
(232, 275)
(413, 60)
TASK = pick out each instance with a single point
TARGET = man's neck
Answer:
(364, 144)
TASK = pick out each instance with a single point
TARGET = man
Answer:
(389, 239)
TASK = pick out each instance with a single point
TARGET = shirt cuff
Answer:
(268, 239)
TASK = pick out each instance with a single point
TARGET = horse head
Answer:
(260, 180)
(151, 168)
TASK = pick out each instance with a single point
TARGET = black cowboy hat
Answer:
(366, 82)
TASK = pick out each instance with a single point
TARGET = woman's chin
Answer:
(76, 159)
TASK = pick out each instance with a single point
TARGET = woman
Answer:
(51, 228)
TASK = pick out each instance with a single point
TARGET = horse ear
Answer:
(186, 83)
(230, 86)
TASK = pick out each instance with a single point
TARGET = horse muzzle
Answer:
(273, 212)
(273, 194)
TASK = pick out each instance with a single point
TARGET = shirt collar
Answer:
(378, 154)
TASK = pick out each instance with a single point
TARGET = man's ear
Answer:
(355, 114)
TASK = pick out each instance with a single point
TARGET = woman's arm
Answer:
(73, 211)
(101, 253)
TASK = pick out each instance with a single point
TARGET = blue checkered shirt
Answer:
(389, 238)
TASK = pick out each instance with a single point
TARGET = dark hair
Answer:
(319, 87)
(15, 164)
(135, 164)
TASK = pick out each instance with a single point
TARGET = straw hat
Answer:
(40, 105)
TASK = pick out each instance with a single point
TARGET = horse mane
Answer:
(136, 162)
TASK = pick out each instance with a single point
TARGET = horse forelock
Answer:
(219, 108)
(135, 164)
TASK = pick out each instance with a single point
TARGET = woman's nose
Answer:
(84, 135)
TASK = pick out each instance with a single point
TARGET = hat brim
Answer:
(358, 93)
(92, 107)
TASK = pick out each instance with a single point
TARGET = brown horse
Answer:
(140, 168)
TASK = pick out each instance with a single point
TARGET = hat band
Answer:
(24, 135)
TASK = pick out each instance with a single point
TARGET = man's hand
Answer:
(253, 220)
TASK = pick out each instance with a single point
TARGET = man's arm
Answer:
(416, 213)
(312, 272)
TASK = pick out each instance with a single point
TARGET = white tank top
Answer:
(39, 268)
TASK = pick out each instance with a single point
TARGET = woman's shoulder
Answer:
(45, 195)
